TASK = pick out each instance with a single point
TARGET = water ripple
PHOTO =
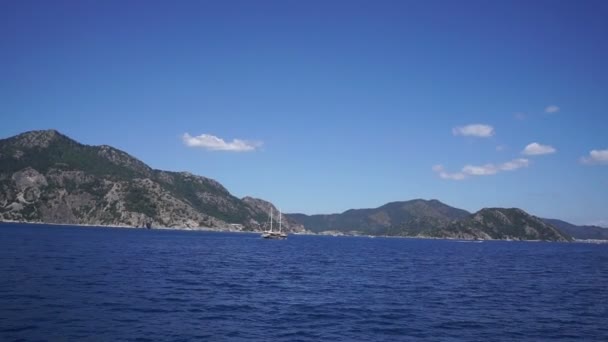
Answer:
(68, 283)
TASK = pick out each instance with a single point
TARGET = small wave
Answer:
(19, 329)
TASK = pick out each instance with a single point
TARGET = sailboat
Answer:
(272, 234)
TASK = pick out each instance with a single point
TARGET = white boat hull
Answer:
(274, 235)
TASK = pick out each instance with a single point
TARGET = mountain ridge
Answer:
(383, 220)
(47, 177)
(582, 232)
(432, 218)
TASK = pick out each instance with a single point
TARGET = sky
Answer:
(323, 106)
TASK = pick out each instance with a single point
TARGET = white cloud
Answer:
(535, 149)
(514, 164)
(213, 143)
(483, 170)
(596, 157)
(475, 130)
(501, 148)
(446, 175)
(552, 109)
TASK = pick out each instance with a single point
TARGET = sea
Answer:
(64, 283)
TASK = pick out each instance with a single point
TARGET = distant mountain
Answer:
(502, 224)
(580, 232)
(396, 218)
(422, 218)
(48, 177)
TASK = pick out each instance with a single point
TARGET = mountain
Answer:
(422, 218)
(396, 218)
(502, 224)
(47, 177)
(579, 232)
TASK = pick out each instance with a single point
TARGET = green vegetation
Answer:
(30, 212)
(94, 187)
(233, 210)
(138, 200)
(62, 153)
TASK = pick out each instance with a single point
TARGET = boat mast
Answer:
(271, 219)
(280, 220)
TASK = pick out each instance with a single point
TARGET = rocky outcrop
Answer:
(502, 224)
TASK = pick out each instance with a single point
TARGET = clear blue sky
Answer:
(336, 104)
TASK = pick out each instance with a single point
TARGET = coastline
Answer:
(326, 234)
(231, 230)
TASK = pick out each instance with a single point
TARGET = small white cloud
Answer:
(213, 143)
(552, 109)
(445, 175)
(535, 149)
(453, 176)
(483, 170)
(514, 164)
(475, 130)
(501, 148)
(596, 157)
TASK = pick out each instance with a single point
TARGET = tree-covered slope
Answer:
(47, 177)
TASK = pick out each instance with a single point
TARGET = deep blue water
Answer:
(71, 283)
